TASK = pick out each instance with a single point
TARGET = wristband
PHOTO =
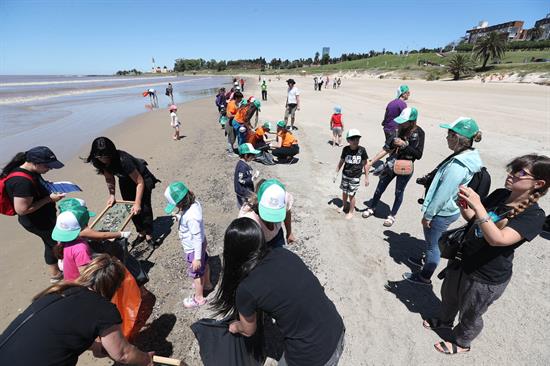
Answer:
(483, 220)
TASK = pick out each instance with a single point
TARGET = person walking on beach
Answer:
(257, 278)
(315, 83)
(498, 225)
(135, 181)
(232, 108)
(68, 318)
(339, 82)
(336, 126)
(174, 121)
(263, 86)
(406, 146)
(170, 92)
(221, 100)
(292, 103)
(354, 158)
(30, 200)
(326, 82)
(242, 85)
(244, 176)
(320, 83)
(271, 195)
(393, 110)
(440, 209)
(193, 239)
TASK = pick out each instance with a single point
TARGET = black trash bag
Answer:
(119, 249)
(220, 347)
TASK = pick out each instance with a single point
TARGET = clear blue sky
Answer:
(103, 36)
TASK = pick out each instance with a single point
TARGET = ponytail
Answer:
(15, 162)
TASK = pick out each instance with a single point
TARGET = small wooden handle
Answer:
(166, 361)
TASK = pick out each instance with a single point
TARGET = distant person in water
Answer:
(170, 92)
(153, 97)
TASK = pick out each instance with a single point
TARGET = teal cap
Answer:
(69, 224)
(402, 90)
(407, 114)
(174, 193)
(248, 149)
(68, 203)
(463, 126)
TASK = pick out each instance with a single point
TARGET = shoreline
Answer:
(354, 259)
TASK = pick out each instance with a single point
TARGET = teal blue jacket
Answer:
(441, 197)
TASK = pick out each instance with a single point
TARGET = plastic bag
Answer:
(128, 300)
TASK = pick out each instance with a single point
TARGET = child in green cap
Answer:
(193, 239)
(74, 250)
(244, 174)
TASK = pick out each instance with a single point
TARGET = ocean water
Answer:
(67, 112)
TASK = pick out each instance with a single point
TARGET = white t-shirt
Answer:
(174, 120)
(292, 94)
(151, 90)
(191, 230)
(268, 234)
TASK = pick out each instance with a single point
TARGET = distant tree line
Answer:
(183, 64)
(128, 72)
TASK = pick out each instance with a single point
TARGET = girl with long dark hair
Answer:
(253, 281)
(135, 181)
(500, 224)
(407, 145)
(32, 202)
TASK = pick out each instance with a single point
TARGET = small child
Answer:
(74, 250)
(244, 174)
(193, 240)
(337, 126)
(354, 158)
(174, 121)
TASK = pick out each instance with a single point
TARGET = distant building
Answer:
(544, 24)
(326, 51)
(512, 30)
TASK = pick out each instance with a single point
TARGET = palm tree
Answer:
(459, 64)
(492, 46)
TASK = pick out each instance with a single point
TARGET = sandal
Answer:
(192, 303)
(389, 221)
(416, 279)
(435, 323)
(367, 213)
(454, 348)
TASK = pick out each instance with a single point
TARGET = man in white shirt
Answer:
(292, 102)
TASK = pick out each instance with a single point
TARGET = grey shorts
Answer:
(337, 131)
(291, 110)
(349, 185)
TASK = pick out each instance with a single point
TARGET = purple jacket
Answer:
(393, 109)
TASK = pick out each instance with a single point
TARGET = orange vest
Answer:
(288, 139)
(241, 114)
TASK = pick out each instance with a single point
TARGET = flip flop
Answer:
(453, 351)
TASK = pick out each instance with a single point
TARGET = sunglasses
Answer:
(521, 174)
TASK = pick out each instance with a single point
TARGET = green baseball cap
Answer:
(68, 203)
(407, 114)
(248, 149)
(257, 104)
(281, 124)
(267, 125)
(69, 224)
(272, 201)
(463, 126)
(174, 193)
(402, 90)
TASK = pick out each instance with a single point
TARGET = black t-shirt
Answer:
(128, 164)
(44, 217)
(58, 334)
(283, 287)
(413, 151)
(493, 264)
(354, 161)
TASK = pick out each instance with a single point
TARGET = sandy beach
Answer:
(359, 262)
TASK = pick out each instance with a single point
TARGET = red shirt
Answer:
(336, 120)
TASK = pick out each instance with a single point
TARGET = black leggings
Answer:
(46, 235)
(286, 152)
(143, 221)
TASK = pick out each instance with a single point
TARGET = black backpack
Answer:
(480, 183)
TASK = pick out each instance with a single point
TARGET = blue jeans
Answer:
(241, 136)
(400, 184)
(438, 226)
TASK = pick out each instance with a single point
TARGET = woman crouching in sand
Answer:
(505, 220)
